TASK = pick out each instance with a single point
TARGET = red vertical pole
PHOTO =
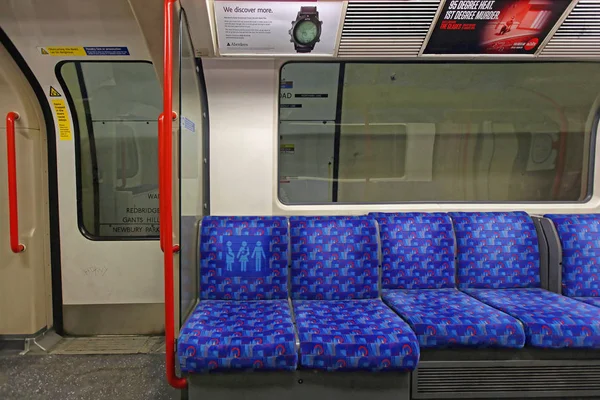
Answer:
(11, 157)
(166, 196)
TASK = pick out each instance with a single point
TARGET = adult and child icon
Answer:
(243, 256)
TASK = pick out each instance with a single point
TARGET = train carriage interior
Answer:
(264, 199)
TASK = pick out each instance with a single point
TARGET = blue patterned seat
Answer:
(353, 334)
(550, 320)
(496, 250)
(444, 318)
(243, 258)
(341, 323)
(499, 265)
(579, 236)
(417, 249)
(418, 283)
(238, 335)
(595, 301)
(243, 320)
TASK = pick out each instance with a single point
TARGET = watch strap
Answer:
(312, 10)
(303, 49)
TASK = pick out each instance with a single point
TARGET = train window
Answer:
(436, 132)
(115, 105)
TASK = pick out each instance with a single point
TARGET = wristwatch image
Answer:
(306, 30)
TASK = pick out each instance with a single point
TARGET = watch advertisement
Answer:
(277, 27)
(494, 27)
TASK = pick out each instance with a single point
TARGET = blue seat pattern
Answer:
(418, 251)
(353, 335)
(595, 301)
(550, 320)
(342, 325)
(444, 318)
(496, 250)
(334, 258)
(385, 215)
(243, 258)
(580, 241)
(238, 335)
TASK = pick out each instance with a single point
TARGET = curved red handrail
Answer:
(11, 157)
(165, 193)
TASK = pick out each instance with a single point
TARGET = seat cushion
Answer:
(418, 251)
(449, 318)
(354, 335)
(496, 250)
(579, 236)
(550, 320)
(334, 258)
(238, 335)
(595, 301)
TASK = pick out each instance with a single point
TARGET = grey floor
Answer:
(82, 377)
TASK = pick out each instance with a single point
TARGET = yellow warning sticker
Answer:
(63, 51)
(54, 92)
(113, 51)
(62, 116)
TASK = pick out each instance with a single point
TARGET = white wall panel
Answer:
(242, 99)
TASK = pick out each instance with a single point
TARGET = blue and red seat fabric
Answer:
(448, 280)
(498, 264)
(341, 322)
(418, 283)
(579, 236)
(229, 334)
(243, 320)
(243, 258)
(550, 320)
(353, 335)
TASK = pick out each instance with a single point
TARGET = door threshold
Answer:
(110, 344)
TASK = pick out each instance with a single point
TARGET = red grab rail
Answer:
(165, 191)
(11, 157)
(161, 123)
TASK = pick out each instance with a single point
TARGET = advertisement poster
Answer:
(277, 27)
(494, 27)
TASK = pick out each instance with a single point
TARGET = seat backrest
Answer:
(418, 250)
(334, 258)
(579, 236)
(496, 250)
(243, 258)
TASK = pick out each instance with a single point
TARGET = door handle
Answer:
(11, 157)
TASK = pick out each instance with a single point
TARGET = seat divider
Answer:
(379, 257)
(554, 255)
(456, 282)
(289, 286)
(289, 260)
(544, 256)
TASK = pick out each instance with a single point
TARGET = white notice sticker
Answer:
(277, 28)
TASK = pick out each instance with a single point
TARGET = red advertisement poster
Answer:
(494, 27)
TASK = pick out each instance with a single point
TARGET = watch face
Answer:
(306, 32)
